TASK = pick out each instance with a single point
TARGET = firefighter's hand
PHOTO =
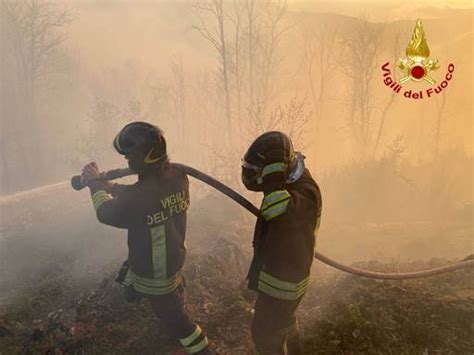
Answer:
(90, 172)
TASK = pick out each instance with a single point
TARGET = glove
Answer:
(91, 174)
(131, 295)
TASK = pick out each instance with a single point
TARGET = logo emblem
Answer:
(417, 65)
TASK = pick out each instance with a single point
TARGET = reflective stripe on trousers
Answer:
(283, 290)
(195, 342)
(170, 309)
(152, 287)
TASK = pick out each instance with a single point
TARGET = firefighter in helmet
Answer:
(154, 212)
(284, 239)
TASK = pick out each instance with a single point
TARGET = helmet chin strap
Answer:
(298, 170)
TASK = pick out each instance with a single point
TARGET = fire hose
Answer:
(78, 183)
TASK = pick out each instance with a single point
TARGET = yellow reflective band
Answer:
(281, 289)
(152, 286)
(99, 197)
(274, 168)
(188, 340)
(99, 193)
(275, 210)
(158, 243)
(283, 285)
(274, 197)
(276, 293)
(154, 282)
(97, 203)
(198, 347)
(154, 291)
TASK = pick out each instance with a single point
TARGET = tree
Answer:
(396, 50)
(32, 34)
(212, 27)
(291, 118)
(246, 37)
(318, 62)
(359, 59)
(440, 112)
(178, 93)
(269, 37)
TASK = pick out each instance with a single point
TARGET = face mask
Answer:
(251, 179)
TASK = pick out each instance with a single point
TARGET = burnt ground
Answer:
(340, 314)
(58, 295)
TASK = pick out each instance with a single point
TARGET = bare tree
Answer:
(291, 118)
(212, 27)
(246, 37)
(252, 17)
(440, 112)
(359, 59)
(318, 62)
(178, 92)
(268, 38)
(318, 65)
(396, 50)
(239, 57)
(103, 116)
(32, 34)
(34, 29)
(294, 119)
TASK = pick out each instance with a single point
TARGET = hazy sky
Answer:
(380, 10)
(386, 3)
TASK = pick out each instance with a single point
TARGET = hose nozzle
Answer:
(78, 182)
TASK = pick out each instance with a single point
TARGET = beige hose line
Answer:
(328, 261)
(394, 275)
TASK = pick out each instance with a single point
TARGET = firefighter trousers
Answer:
(275, 327)
(170, 308)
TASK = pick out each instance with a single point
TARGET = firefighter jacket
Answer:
(284, 240)
(154, 212)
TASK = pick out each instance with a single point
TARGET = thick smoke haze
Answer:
(395, 173)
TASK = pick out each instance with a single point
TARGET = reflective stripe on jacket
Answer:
(154, 212)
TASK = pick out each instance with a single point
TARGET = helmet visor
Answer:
(126, 145)
(246, 165)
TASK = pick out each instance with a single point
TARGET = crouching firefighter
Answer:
(154, 212)
(284, 239)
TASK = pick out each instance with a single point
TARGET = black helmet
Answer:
(143, 144)
(268, 162)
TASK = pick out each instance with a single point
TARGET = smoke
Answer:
(116, 62)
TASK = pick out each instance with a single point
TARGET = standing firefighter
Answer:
(284, 239)
(154, 212)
